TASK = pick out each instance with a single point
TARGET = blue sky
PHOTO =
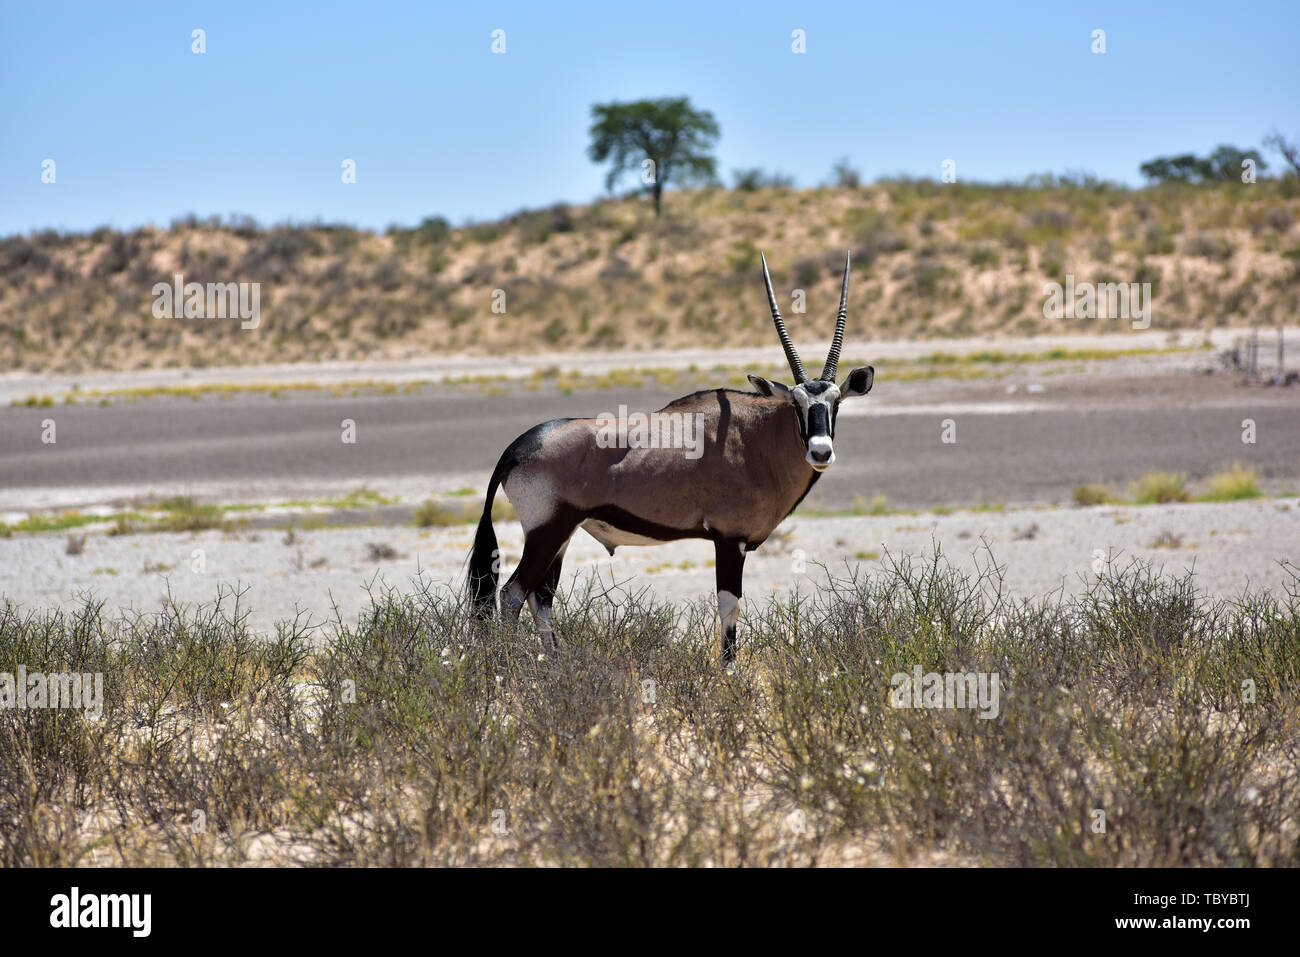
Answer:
(143, 130)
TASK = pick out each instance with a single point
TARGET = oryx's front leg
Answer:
(729, 559)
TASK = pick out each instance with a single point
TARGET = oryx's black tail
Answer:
(485, 560)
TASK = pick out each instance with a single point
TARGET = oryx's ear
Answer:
(858, 382)
(767, 387)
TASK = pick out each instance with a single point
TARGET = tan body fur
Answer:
(743, 486)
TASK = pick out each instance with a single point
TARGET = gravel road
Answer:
(1027, 435)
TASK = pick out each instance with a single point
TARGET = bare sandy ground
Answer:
(1229, 546)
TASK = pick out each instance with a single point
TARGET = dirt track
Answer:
(1230, 546)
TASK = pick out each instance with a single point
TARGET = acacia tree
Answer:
(1290, 152)
(674, 136)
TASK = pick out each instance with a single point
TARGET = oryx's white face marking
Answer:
(817, 402)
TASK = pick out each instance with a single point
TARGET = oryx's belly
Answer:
(610, 537)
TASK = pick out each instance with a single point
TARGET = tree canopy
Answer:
(675, 137)
(1223, 164)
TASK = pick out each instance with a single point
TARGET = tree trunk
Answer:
(659, 191)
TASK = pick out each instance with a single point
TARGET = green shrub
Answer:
(1085, 495)
(1233, 484)
(1157, 488)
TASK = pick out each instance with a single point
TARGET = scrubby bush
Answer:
(1085, 495)
(750, 180)
(1158, 488)
(1233, 484)
(416, 736)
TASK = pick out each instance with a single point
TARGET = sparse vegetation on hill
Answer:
(929, 260)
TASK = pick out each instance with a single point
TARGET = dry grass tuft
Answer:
(416, 736)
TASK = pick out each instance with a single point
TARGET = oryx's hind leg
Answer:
(543, 547)
(548, 525)
(539, 602)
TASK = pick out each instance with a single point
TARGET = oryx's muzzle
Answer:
(821, 453)
(816, 401)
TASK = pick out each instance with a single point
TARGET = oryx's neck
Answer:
(776, 425)
(775, 454)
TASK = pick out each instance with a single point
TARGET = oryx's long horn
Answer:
(791, 356)
(833, 358)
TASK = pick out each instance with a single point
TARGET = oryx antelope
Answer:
(761, 453)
